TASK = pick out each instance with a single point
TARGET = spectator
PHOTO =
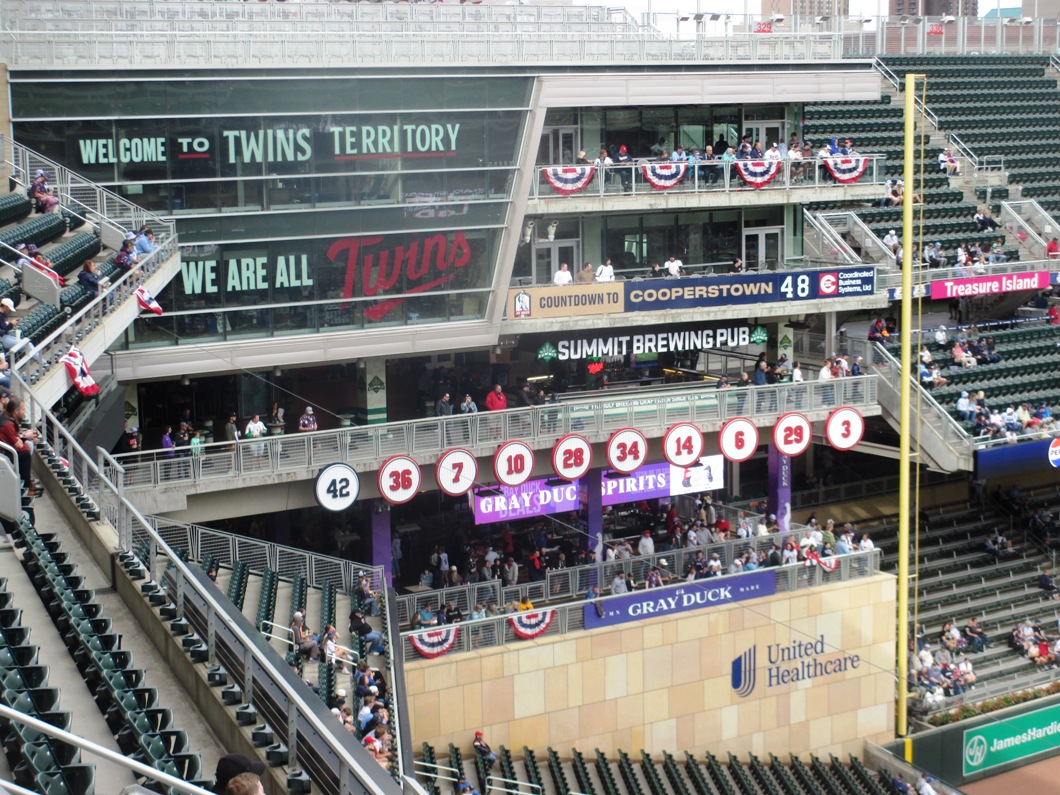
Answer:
(563, 276)
(1052, 249)
(606, 272)
(307, 423)
(585, 275)
(1045, 582)
(619, 584)
(232, 765)
(482, 748)
(302, 638)
(975, 636)
(41, 193)
(496, 400)
(373, 637)
(145, 243)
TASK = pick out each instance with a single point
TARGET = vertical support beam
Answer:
(591, 497)
(373, 377)
(381, 546)
(902, 716)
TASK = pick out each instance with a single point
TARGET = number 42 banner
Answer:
(748, 288)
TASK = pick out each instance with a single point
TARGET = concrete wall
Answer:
(666, 683)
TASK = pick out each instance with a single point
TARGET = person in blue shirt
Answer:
(145, 243)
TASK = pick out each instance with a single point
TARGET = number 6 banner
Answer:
(738, 439)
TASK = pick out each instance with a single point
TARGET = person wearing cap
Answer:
(794, 158)
(665, 575)
(10, 338)
(126, 259)
(232, 765)
(923, 785)
(892, 241)
(41, 193)
(485, 753)
(231, 430)
(624, 168)
(773, 153)
(374, 638)
(364, 594)
(948, 163)
(308, 421)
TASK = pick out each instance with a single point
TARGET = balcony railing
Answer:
(702, 177)
(570, 617)
(367, 447)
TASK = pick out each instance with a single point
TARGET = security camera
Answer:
(552, 229)
(528, 231)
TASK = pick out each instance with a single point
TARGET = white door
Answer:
(548, 254)
(761, 249)
(559, 146)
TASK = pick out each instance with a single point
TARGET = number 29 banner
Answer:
(748, 288)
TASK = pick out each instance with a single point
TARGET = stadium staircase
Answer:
(91, 224)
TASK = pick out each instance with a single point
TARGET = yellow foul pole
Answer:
(904, 518)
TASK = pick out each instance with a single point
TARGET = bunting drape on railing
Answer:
(847, 170)
(436, 643)
(530, 625)
(828, 564)
(568, 179)
(758, 173)
(663, 176)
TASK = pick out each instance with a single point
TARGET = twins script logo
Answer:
(380, 269)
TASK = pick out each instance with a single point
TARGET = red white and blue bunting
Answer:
(434, 643)
(663, 176)
(531, 625)
(568, 179)
(813, 559)
(847, 170)
(758, 173)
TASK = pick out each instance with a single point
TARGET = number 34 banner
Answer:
(748, 288)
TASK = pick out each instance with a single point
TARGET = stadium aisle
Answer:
(86, 719)
(171, 693)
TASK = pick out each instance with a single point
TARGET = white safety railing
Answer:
(196, 543)
(333, 759)
(569, 617)
(114, 216)
(923, 277)
(700, 177)
(846, 224)
(824, 241)
(651, 409)
(138, 768)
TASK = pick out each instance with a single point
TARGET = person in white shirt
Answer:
(826, 371)
(866, 543)
(256, 430)
(674, 265)
(646, 545)
(606, 272)
(563, 275)
(773, 153)
(892, 241)
(940, 335)
(714, 565)
(691, 538)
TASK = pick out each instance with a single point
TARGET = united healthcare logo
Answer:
(743, 672)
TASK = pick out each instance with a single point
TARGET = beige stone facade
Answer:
(666, 683)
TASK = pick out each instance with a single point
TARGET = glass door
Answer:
(761, 249)
(559, 146)
(550, 254)
(768, 132)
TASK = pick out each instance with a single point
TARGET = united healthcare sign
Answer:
(1011, 740)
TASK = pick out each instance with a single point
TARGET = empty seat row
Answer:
(14, 207)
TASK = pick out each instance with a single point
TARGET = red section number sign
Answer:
(456, 472)
(513, 463)
(572, 456)
(792, 434)
(844, 428)
(627, 449)
(683, 444)
(399, 479)
(738, 439)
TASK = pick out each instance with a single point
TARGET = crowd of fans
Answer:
(659, 528)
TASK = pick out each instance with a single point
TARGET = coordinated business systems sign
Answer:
(1011, 740)
(694, 595)
(695, 292)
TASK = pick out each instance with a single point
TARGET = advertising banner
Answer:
(1011, 740)
(527, 303)
(549, 496)
(679, 598)
(989, 285)
(748, 288)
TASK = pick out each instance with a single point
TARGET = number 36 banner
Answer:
(748, 288)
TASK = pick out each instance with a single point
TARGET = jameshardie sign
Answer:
(1011, 740)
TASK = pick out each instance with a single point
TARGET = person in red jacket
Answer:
(496, 400)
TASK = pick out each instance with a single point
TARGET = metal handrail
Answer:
(831, 236)
(132, 526)
(863, 234)
(716, 176)
(101, 207)
(569, 617)
(892, 280)
(97, 750)
(366, 447)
